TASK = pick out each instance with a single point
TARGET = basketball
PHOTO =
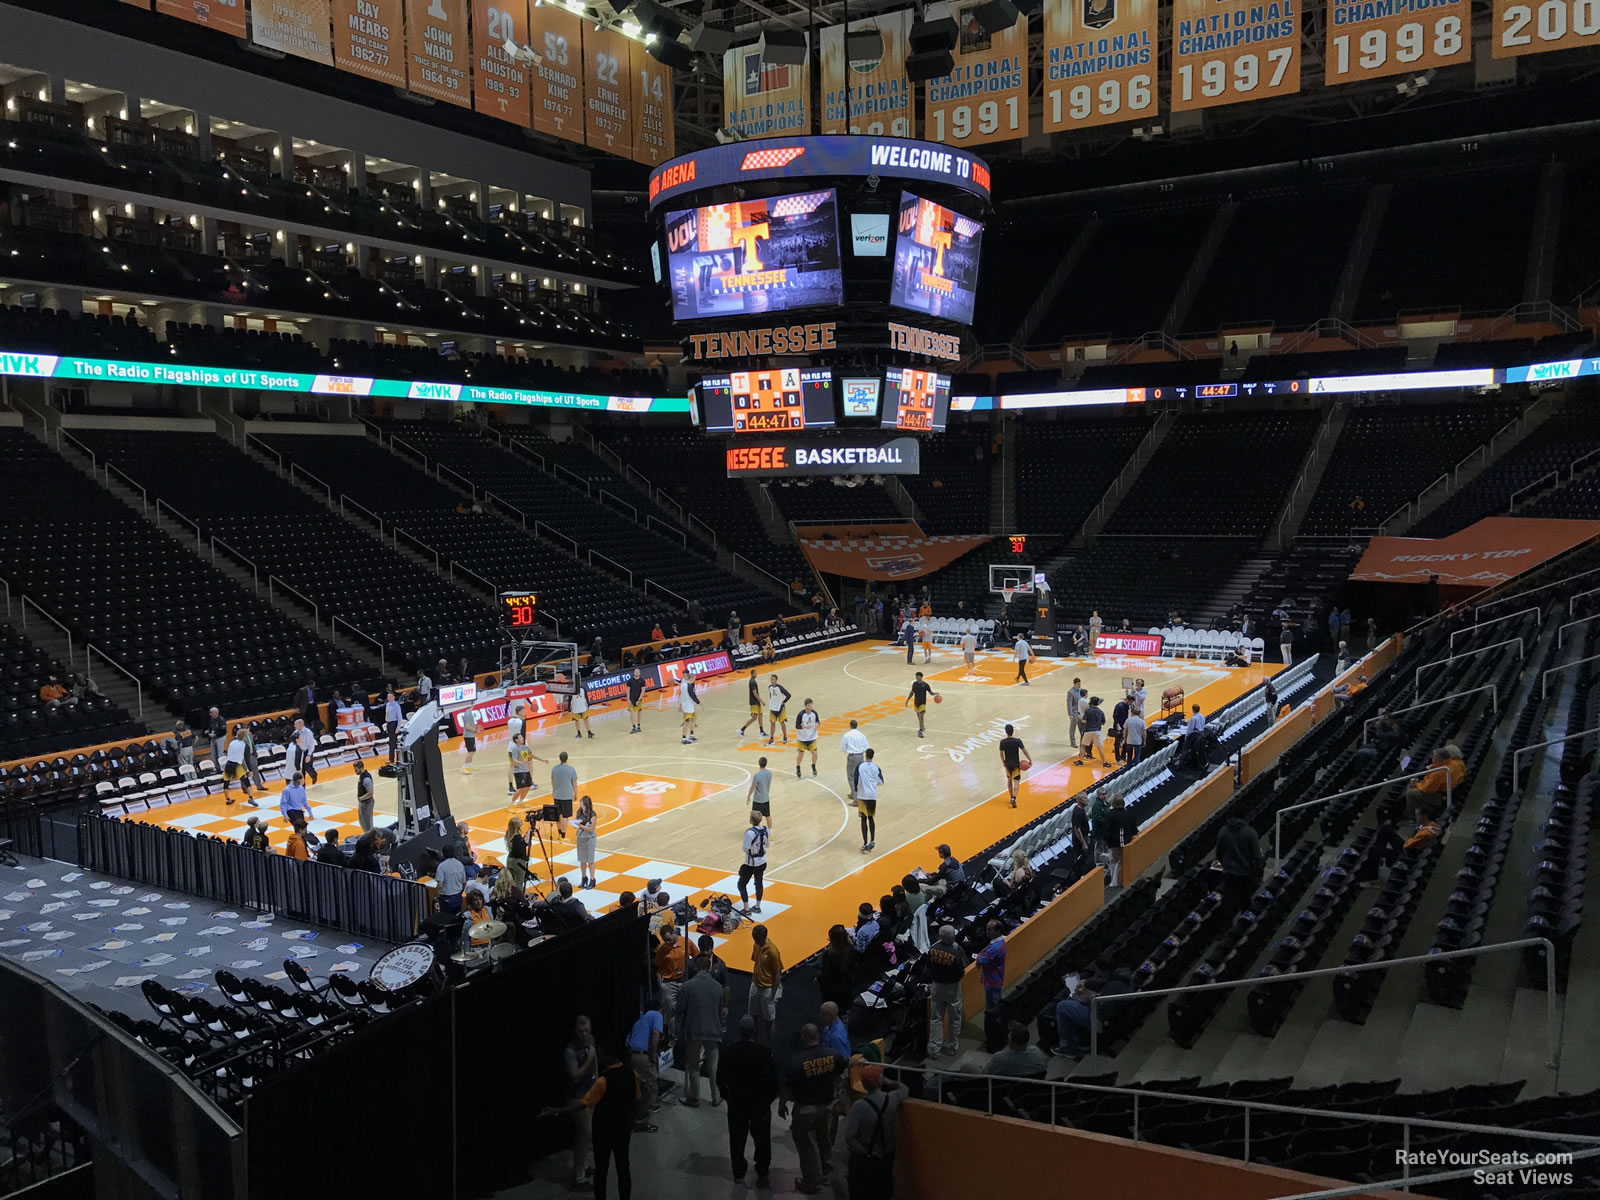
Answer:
(937, 699)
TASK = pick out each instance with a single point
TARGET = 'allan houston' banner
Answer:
(985, 98)
(1099, 62)
(438, 61)
(298, 27)
(225, 16)
(871, 96)
(1226, 51)
(1366, 39)
(764, 99)
(888, 558)
(557, 35)
(653, 138)
(499, 82)
(369, 38)
(1479, 556)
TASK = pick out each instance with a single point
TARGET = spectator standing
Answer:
(669, 962)
(947, 963)
(1133, 737)
(1076, 695)
(809, 1086)
(1372, 634)
(644, 1050)
(1286, 642)
(766, 976)
(869, 1136)
(747, 1076)
(305, 703)
(836, 975)
(704, 1001)
(366, 789)
(1240, 859)
(612, 1099)
(1095, 626)
(582, 1061)
(392, 716)
(217, 731)
(1121, 826)
(185, 739)
(424, 689)
(992, 966)
(450, 880)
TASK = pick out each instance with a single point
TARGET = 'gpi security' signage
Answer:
(848, 456)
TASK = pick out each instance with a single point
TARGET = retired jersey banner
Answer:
(871, 96)
(653, 138)
(886, 558)
(557, 82)
(1481, 555)
(438, 60)
(369, 38)
(985, 98)
(299, 27)
(1099, 62)
(1226, 51)
(1370, 38)
(764, 99)
(499, 82)
(225, 16)
(608, 92)
(1530, 28)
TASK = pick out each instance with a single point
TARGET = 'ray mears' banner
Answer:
(868, 95)
(1099, 62)
(762, 98)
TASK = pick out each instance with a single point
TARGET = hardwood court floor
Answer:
(678, 812)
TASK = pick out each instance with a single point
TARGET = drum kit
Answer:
(485, 946)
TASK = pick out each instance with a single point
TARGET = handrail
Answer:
(144, 496)
(94, 459)
(651, 583)
(737, 557)
(1534, 609)
(7, 587)
(363, 510)
(604, 493)
(1552, 1040)
(506, 504)
(1492, 689)
(1544, 681)
(296, 469)
(397, 533)
(1543, 587)
(519, 445)
(1581, 460)
(383, 664)
(539, 527)
(651, 521)
(396, 440)
(1277, 820)
(710, 532)
(607, 558)
(88, 669)
(250, 437)
(660, 497)
(199, 537)
(629, 471)
(23, 608)
(1416, 685)
(1539, 482)
(1516, 788)
(316, 613)
(440, 469)
(255, 572)
(455, 566)
(1561, 630)
(1572, 602)
(582, 482)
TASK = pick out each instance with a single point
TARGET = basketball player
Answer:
(635, 698)
(521, 760)
(756, 707)
(1023, 651)
(927, 638)
(969, 652)
(777, 706)
(469, 738)
(688, 699)
(754, 865)
(517, 724)
(578, 706)
(805, 730)
(760, 794)
(869, 777)
(1015, 759)
(920, 690)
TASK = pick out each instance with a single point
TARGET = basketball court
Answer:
(678, 812)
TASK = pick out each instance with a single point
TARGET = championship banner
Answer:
(556, 85)
(369, 38)
(1367, 39)
(1553, 25)
(871, 96)
(437, 54)
(225, 16)
(763, 99)
(1481, 555)
(1099, 62)
(888, 558)
(1225, 51)
(653, 139)
(499, 82)
(608, 91)
(298, 27)
(985, 98)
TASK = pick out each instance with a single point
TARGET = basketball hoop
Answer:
(1006, 594)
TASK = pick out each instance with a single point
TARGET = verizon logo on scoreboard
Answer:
(1148, 644)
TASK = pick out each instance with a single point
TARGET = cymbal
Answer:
(486, 931)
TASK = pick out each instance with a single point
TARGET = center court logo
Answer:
(649, 787)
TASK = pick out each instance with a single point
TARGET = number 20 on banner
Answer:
(1534, 28)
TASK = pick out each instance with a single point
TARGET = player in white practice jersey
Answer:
(806, 724)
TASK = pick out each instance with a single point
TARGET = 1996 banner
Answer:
(1099, 62)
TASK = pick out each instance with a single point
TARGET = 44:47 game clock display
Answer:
(518, 610)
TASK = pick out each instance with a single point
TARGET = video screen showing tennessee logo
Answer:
(755, 256)
(935, 260)
(916, 401)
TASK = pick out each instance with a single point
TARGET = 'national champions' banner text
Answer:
(1099, 62)
(985, 98)
(765, 99)
(1228, 51)
(871, 96)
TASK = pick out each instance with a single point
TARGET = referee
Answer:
(854, 747)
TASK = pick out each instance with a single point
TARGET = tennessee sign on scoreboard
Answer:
(1225, 51)
(1529, 27)
(1099, 62)
(871, 96)
(763, 99)
(1370, 38)
(985, 98)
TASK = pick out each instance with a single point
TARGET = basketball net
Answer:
(1005, 595)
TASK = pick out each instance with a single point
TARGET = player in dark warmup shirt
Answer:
(1014, 757)
(635, 697)
(757, 708)
(920, 690)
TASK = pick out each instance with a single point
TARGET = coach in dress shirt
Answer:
(293, 799)
(854, 745)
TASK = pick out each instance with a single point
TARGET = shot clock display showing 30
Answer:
(518, 610)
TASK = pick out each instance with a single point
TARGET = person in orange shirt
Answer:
(296, 846)
(926, 610)
(476, 911)
(669, 968)
(1426, 799)
(52, 693)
